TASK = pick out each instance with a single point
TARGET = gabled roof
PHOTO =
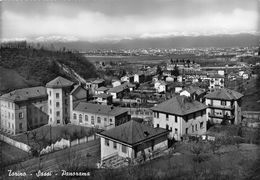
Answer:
(102, 95)
(98, 81)
(59, 82)
(25, 94)
(133, 132)
(179, 105)
(194, 89)
(99, 109)
(118, 89)
(224, 94)
(102, 88)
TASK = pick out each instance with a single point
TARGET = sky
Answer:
(101, 20)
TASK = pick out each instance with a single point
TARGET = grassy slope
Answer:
(31, 67)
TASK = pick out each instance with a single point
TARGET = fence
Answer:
(17, 144)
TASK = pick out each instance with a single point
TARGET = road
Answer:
(87, 154)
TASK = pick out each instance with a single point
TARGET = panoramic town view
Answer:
(120, 89)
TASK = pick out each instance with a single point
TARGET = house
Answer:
(118, 91)
(132, 140)
(99, 116)
(127, 78)
(216, 81)
(104, 99)
(101, 90)
(116, 83)
(194, 92)
(97, 84)
(23, 109)
(181, 115)
(139, 78)
(224, 104)
(160, 86)
(169, 79)
(59, 100)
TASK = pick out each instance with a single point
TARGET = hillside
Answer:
(24, 67)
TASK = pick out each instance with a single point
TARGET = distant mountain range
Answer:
(234, 40)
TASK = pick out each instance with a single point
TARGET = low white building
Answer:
(160, 86)
(182, 116)
(116, 83)
(131, 140)
(99, 116)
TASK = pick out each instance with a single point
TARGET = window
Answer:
(105, 119)
(12, 116)
(50, 102)
(50, 93)
(92, 119)
(58, 121)
(201, 125)
(123, 148)
(57, 104)
(158, 125)
(58, 113)
(106, 142)
(66, 102)
(157, 114)
(8, 125)
(192, 128)
(114, 145)
(194, 115)
(176, 119)
(57, 95)
(223, 103)
(196, 127)
(9, 115)
(111, 120)
(80, 118)
(167, 117)
(75, 116)
(86, 117)
(50, 111)
(20, 115)
(167, 127)
(20, 126)
(154, 114)
(12, 126)
(176, 131)
(186, 131)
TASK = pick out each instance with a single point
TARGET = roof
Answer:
(194, 89)
(98, 81)
(224, 94)
(102, 88)
(25, 94)
(99, 109)
(103, 95)
(59, 82)
(133, 132)
(179, 105)
(119, 88)
(215, 76)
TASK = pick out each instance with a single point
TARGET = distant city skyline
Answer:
(102, 20)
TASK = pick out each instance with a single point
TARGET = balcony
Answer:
(231, 117)
(232, 107)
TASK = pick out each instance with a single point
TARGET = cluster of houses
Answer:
(61, 102)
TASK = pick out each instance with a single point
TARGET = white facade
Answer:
(217, 109)
(58, 106)
(116, 83)
(216, 83)
(192, 124)
(185, 93)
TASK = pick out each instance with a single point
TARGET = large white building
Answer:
(181, 115)
(224, 104)
(59, 100)
(216, 81)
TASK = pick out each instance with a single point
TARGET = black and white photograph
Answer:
(130, 89)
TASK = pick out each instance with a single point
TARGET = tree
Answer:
(159, 70)
(175, 72)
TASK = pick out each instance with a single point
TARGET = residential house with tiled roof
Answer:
(132, 140)
(181, 115)
(196, 93)
(23, 109)
(216, 81)
(104, 99)
(99, 116)
(224, 104)
(101, 90)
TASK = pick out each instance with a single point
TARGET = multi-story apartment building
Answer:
(224, 104)
(216, 81)
(99, 116)
(23, 110)
(181, 115)
(59, 100)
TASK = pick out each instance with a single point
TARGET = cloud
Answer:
(94, 25)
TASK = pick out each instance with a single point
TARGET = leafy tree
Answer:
(159, 70)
